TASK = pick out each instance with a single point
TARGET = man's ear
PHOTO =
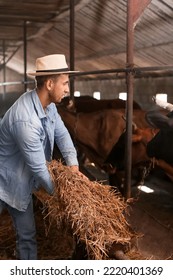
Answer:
(49, 83)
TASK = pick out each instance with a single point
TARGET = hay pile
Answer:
(94, 212)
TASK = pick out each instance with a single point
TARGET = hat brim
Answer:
(50, 73)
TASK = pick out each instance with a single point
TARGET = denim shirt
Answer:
(27, 135)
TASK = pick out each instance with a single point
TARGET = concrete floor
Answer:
(151, 214)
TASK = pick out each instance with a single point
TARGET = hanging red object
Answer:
(138, 8)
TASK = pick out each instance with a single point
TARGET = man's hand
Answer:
(74, 168)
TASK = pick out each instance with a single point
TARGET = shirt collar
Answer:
(38, 106)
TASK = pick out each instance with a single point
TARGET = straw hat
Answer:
(50, 65)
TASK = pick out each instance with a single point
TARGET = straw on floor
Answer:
(94, 212)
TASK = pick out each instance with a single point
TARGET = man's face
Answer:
(59, 88)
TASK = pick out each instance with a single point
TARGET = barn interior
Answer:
(121, 47)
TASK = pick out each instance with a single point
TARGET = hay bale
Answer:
(94, 212)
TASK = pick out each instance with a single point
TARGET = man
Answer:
(28, 131)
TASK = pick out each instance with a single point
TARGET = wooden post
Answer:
(72, 50)
(134, 10)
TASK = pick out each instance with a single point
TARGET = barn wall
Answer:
(8, 94)
(144, 89)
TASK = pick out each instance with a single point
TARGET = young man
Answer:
(28, 131)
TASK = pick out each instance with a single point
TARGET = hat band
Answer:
(53, 70)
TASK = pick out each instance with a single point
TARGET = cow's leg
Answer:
(117, 181)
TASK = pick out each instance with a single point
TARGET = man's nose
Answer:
(67, 90)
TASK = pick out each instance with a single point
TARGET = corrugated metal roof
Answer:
(100, 33)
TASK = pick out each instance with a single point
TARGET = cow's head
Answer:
(140, 137)
(68, 104)
(115, 163)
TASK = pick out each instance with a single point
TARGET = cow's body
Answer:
(88, 104)
(96, 131)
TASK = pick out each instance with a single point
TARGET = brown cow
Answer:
(114, 163)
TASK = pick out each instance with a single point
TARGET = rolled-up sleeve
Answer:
(64, 142)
